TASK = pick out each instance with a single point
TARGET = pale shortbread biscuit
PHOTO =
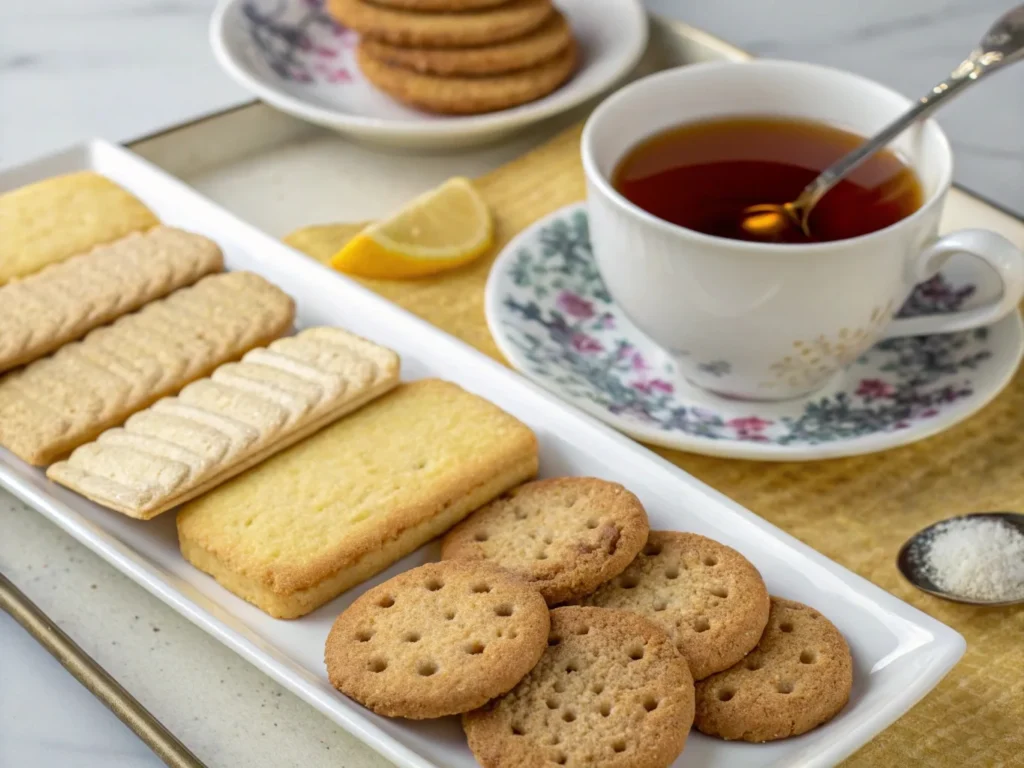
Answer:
(707, 596)
(610, 691)
(64, 301)
(344, 504)
(437, 640)
(441, 30)
(798, 677)
(218, 427)
(468, 95)
(539, 45)
(57, 218)
(567, 535)
(52, 406)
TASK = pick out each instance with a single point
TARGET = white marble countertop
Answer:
(121, 68)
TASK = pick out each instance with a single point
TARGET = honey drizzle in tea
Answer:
(703, 175)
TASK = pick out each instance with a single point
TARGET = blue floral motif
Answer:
(300, 42)
(561, 318)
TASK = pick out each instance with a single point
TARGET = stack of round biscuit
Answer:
(648, 634)
(460, 56)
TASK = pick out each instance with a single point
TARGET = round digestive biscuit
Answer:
(708, 597)
(565, 535)
(611, 690)
(468, 95)
(442, 6)
(797, 678)
(437, 640)
(441, 30)
(543, 43)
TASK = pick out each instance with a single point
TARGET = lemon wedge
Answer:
(444, 228)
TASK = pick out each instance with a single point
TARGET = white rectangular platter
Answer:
(280, 174)
(899, 652)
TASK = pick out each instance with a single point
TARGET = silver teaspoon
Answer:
(1003, 44)
(913, 557)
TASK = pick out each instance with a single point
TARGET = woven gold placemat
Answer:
(856, 511)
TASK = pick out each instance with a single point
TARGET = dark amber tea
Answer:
(702, 176)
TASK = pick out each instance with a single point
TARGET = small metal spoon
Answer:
(1003, 44)
(911, 558)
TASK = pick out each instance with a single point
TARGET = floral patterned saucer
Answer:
(553, 318)
(295, 57)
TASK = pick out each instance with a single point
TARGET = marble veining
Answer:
(121, 68)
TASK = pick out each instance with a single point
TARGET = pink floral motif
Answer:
(873, 388)
(606, 322)
(581, 342)
(748, 424)
(638, 363)
(652, 386)
(575, 306)
(929, 413)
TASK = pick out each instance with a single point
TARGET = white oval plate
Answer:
(293, 56)
(553, 318)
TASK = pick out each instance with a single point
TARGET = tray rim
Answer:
(950, 645)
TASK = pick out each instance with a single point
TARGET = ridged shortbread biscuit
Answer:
(798, 677)
(60, 217)
(58, 403)
(611, 691)
(437, 640)
(337, 508)
(441, 30)
(539, 45)
(468, 95)
(708, 597)
(218, 427)
(64, 301)
(566, 535)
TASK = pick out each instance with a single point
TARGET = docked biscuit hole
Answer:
(449, 615)
(815, 616)
(364, 635)
(386, 602)
(651, 549)
(701, 624)
(582, 630)
(660, 605)
(597, 688)
(561, 759)
(411, 637)
(785, 627)
(808, 657)
(480, 589)
(650, 703)
(474, 648)
(503, 610)
(753, 664)
(511, 634)
(554, 740)
(548, 538)
(559, 686)
(672, 572)
(572, 666)
(426, 668)
(785, 686)
(605, 709)
(568, 716)
(481, 536)
(377, 665)
(619, 745)
(434, 584)
(710, 560)
(517, 729)
(553, 640)
(726, 694)
(592, 523)
(635, 652)
(719, 591)
(628, 582)
(542, 555)
(553, 703)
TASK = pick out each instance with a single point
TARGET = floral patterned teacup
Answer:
(780, 319)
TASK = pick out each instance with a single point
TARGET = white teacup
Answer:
(771, 321)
